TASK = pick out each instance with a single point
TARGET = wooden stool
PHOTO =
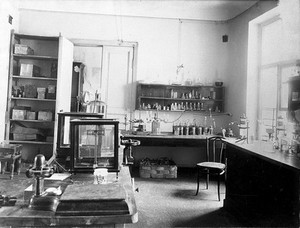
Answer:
(10, 153)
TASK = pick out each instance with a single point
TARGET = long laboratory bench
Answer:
(20, 215)
(262, 184)
(168, 139)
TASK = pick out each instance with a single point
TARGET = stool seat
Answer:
(11, 153)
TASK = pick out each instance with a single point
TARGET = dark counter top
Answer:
(168, 139)
(167, 135)
(265, 151)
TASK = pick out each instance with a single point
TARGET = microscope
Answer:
(41, 200)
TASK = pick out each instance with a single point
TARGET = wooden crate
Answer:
(154, 169)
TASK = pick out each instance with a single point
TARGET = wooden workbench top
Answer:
(265, 151)
(21, 215)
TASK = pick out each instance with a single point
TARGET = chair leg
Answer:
(219, 187)
(198, 179)
(207, 179)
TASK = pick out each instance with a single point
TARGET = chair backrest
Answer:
(214, 149)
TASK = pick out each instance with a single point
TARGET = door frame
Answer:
(102, 43)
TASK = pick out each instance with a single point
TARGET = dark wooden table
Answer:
(21, 215)
(262, 185)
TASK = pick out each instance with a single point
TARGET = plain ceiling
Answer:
(212, 10)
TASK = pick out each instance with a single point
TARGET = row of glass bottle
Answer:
(176, 106)
(195, 129)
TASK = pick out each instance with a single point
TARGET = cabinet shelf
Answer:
(190, 111)
(193, 98)
(295, 102)
(33, 99)
(34, 78)
(35, 37)
(33, 121)
(180, 99)
(35, 57)
(31, 142)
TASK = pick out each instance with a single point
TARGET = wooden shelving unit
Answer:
(45, 56)
(174, 98)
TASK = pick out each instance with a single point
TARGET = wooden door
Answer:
(64, 80)
(118, 81)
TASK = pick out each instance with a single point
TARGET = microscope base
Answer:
(43, 203)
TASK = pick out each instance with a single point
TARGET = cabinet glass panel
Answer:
(95, 144)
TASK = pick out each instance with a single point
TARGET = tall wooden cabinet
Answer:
(34, 93)
(294, 96)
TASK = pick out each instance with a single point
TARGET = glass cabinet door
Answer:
(94, 144)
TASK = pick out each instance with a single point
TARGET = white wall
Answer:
(6, 8)
(158, 54)
(163, 44)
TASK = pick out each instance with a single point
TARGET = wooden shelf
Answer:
(30, 142)
(33, 121)
(36, 57)
(34, 37)
(34, 78)
(164, 97)
(191, 111)
(32, 99)
(180, 99)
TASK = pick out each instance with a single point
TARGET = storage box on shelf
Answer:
(23, 49)
(29, 70)
(180, 98)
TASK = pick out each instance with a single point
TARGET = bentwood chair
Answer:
(213, 164)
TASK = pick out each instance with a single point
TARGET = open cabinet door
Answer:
(64, 84)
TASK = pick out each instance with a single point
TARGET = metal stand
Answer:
(40, 170)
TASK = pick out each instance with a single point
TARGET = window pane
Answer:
(268, 88)
(271, 42)
(268, 101)
(267, 123)
(286, 72)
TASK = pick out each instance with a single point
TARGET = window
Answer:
(272, 80)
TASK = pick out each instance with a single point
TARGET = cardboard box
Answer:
(20, 129)
(41, 93)
(25, 137)
(31, 115)
(18, 114)
(49, 139)
(23, 49)
(45, 115)
(51, 93)
(29, 70)
(30, 91)
(51, 88)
